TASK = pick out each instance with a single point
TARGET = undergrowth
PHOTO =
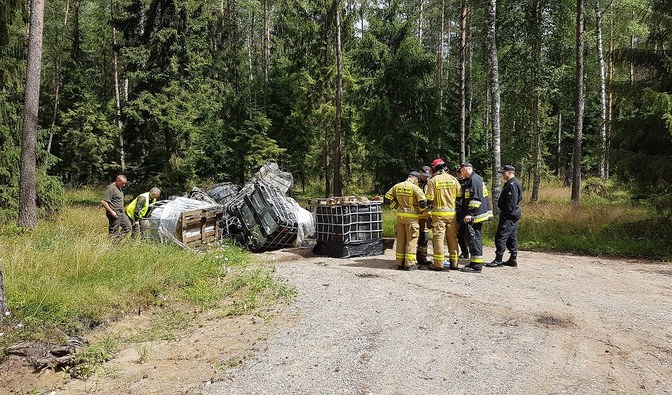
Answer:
(66, 277)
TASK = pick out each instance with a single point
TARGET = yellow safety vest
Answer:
(130, 209)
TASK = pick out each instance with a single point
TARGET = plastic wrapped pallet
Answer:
(187, 222)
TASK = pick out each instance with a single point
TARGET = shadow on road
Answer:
(373, 263)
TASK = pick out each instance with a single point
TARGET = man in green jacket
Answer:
(113, 202)
(138, 208)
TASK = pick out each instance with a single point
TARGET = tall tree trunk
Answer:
(610, 76)
(267, 54)
(4, 310)
(494, 88)
(558, 158)
(580, 99)
(536, 102)
(632, 46)
(421, 16)
(117, 97)
(439, 60)
(338, 182)
(57, 76)
(463, 73)
(28, 194)
(603, 93)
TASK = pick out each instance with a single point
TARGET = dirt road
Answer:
(556, 324)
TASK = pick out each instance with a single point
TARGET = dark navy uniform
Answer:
(476, 203)
(507, 229)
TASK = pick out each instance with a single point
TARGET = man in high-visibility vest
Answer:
(475, 210)
(442, 191)
(409, 201)
(138, 208)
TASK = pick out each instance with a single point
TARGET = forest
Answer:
(347, 95)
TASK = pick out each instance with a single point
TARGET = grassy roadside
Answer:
(66, 277)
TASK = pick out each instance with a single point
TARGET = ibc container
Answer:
(223, 193)
(349, 223)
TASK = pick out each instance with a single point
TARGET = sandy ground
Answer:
(556, 324)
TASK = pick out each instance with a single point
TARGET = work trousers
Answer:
(423, 240)
(461, 238)
(444, 230)
(120, 226)
(476, 248)
(407, 231)
(506, 237)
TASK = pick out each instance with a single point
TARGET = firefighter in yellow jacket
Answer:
(409, 201)
(442, 192)
(138, 208)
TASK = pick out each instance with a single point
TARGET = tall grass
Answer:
(66, 276)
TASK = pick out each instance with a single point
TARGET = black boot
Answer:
(472, 268)
(512, 261)
(496, 263)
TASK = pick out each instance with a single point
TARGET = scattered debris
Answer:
(259, 216)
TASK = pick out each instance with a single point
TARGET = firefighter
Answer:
(425, 225)
(461, 226)
(475, 210)
(442, 192)
(509, 214)
(138, 208)
(409, 201)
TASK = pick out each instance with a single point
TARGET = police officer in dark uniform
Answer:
(507, 229)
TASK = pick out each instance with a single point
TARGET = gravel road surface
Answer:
(557, 324)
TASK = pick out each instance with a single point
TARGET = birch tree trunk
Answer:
(610, 96)
(439, 60)
(420, 18)
(267, 54)
(603, 93)
(117, 98)
(338, 182)
(494, 91)
(27, 193)
(580, 100)
(536, 56)
(558, 158)
(463, 61)
(4, 310)
(57, 77)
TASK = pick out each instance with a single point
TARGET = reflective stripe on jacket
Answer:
(476, 199)
(443, 191)
(407, 197)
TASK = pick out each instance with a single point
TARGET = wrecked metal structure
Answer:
(259, 215)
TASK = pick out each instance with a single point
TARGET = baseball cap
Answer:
(507, 168)
(466, 164)
(425, 171)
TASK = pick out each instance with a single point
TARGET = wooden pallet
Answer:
(200, 226)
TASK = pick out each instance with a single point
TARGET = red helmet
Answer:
(437, 162)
